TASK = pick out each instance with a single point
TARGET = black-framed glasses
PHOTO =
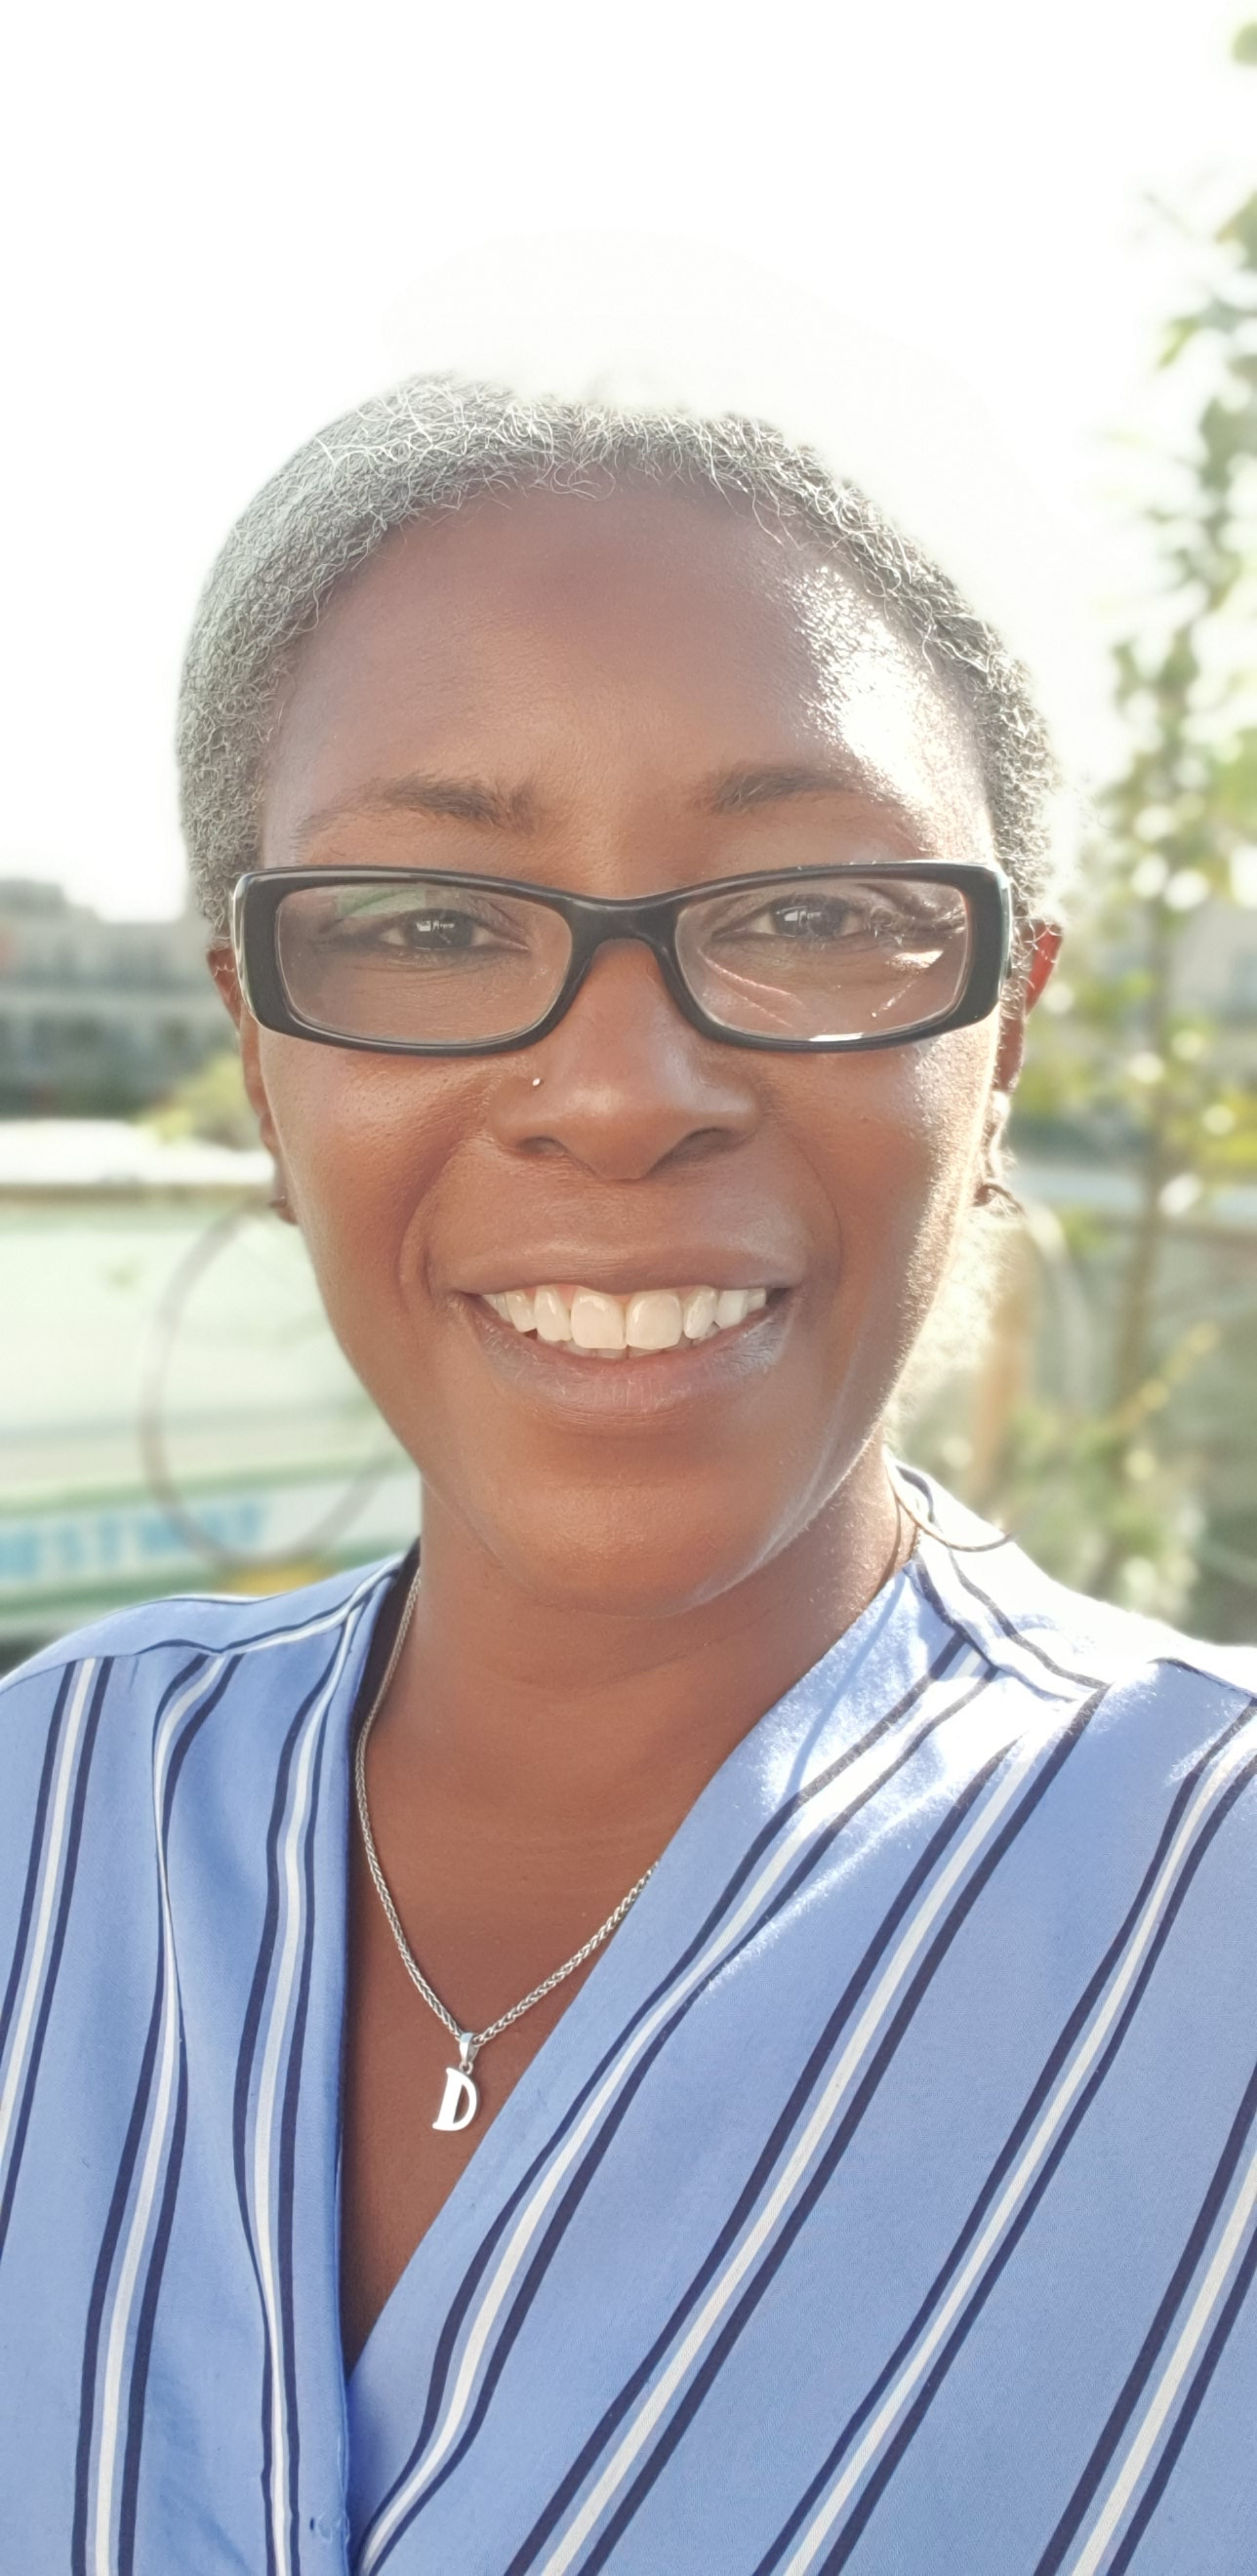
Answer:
(435, 962)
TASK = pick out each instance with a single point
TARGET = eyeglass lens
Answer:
(421, 964)
(838, 957)
(803, 958)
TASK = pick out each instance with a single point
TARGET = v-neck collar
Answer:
(835, 1703)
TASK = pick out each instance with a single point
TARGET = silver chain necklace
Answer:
(461, 2099)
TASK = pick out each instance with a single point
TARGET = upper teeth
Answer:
(653, 1319)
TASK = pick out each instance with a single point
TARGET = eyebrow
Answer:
(740, 791)
(516, 809)
(743, 791)
(459, 800)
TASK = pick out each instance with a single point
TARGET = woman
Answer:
(715, 2030)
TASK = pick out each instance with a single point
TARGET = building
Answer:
(97, 1018)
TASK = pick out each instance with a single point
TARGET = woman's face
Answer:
(618, 695)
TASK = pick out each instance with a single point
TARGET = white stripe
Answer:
(850, 2065)
(49, 1880)
(1022, 1650)
(826, 1810)
(1213, 1781)
(1163, 2396)
(121, 2319)
(315, 1627)
(41, 1665)
(157, 2147)
(264, 2136)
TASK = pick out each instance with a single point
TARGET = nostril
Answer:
(696, 1147)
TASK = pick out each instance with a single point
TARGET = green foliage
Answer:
(1127, 1070)
(1177, 827)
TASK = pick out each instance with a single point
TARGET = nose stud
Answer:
(536, 1082)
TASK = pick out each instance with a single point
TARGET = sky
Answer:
(922, 236)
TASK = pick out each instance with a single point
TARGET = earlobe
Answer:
(222, 966)
(1022, 994)
(992, 1188)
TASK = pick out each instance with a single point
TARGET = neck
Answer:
(547, 1722)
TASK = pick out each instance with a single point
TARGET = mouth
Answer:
(592, 1323)
(673, 1348)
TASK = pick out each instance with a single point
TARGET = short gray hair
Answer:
(432, 444)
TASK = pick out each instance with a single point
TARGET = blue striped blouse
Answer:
(886, 2199)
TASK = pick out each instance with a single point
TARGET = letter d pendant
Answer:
(460, 2101)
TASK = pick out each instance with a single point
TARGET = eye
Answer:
(803, 918)
(820, 916)
(395, 924)
(451, 928)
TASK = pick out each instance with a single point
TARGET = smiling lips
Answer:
(652, 1319)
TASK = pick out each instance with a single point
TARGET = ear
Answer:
(221, 962)
(1023, 994)
(222, 966)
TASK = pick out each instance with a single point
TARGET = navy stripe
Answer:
(100, 2287)
(247, 2057)
(288, 2157)
(827, 2164)
(118, 2202)
(266, 1946)
(73, 1838)
(1189, 2409)
(113, 2222)
(881, 2474)
(565, 2210)
(1008, 1627)
(768, 1834)
(1158, 2335)
(314, 1624)
(38, 1831)
(142, 2353)
(1039, 2095)
(769, 2155)
(245, 2065)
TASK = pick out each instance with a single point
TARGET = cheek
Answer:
(365, 1144)
(894, 1141)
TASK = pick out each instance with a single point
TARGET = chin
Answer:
(629, 1556)
(640, 1552)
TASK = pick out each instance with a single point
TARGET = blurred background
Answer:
(1002, 268)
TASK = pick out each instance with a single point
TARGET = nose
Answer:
(624, 1084)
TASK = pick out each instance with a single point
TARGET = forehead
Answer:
(609, 653)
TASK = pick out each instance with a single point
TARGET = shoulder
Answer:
(133, 1658)
(1061, 1641)
(229, 1703)
(1145, 1739)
